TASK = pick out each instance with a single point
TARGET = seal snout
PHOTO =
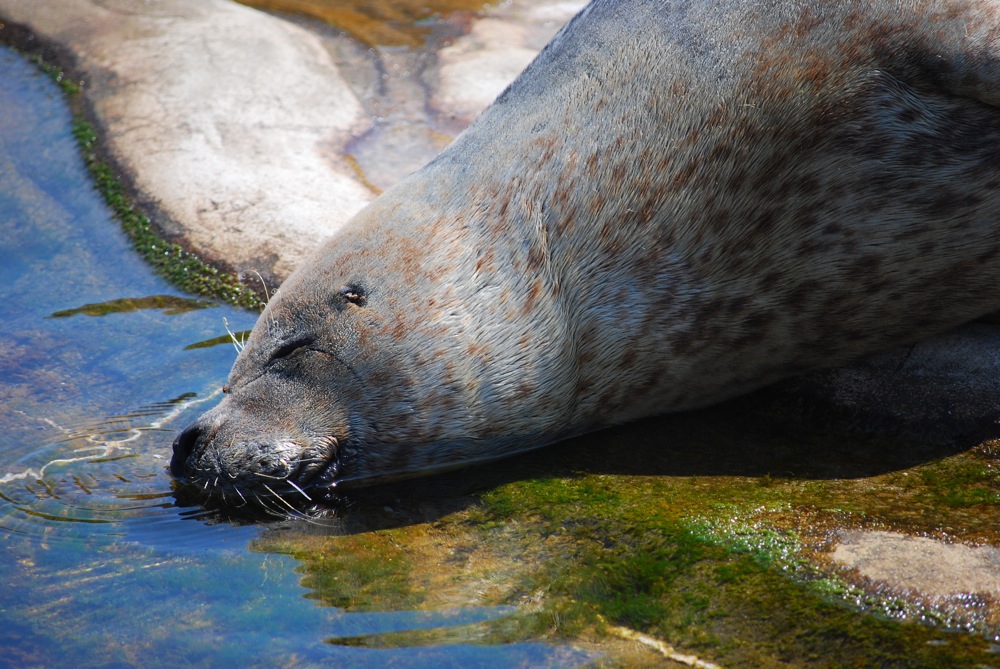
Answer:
(183, 446)
(210, 457)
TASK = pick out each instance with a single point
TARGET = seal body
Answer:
(675, 203)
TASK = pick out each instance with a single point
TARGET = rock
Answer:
(222, 115)
(236, 124)
(478, 66)
(943, 389)
(921, 565)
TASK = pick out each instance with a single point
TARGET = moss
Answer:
(171, 305)
(718, 587)
(178, 266)
(365, 572)
(68, 86)
(961, 483)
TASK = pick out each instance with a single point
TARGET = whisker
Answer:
(267, 297)
(238, 344)
(301, 491)
(270, 476)
(313, 520)
(262, 502)
(279, 498)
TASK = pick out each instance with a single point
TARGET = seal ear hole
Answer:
(354, 294)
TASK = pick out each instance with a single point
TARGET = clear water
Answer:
(100, 567)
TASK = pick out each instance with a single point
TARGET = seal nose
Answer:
(183, 445)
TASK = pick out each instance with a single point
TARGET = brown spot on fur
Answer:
(685, 173)
(477, 349)
(529, 300)
(536, 260)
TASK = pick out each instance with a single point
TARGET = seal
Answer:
(675, 203)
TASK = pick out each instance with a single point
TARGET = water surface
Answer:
(101, 362)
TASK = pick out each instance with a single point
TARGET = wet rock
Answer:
(919, 564)
(222, 115)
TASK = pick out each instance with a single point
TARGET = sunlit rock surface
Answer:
(921, 564)
(228, 119)
(476, 67)
(252, 136)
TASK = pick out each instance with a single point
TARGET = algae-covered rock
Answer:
(228, 120)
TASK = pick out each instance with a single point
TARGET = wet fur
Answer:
(675, 203)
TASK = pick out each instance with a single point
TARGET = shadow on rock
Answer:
(772, 433)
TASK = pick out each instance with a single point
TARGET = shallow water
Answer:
(100, 364)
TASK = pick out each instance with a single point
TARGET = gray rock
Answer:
(921, 565)
(230, 119)
(943, 389)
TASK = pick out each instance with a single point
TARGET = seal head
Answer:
(379, 359)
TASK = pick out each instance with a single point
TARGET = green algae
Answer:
(710, 531)
(368, 572)
(962, 483)
(171, 305)
(731, 590)
(68, 86)
(719, 589)
(236, 338)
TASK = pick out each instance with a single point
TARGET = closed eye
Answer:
(354, 294)
(290, 347)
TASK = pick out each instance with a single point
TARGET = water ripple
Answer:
(100, 478)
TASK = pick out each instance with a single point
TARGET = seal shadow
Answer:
(771, 433)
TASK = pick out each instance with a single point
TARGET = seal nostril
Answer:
(183, 445)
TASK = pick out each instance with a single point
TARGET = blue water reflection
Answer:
(100, 568)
